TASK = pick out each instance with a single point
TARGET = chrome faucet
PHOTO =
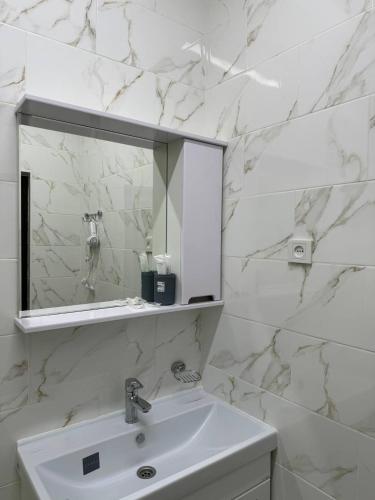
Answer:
(133, 402)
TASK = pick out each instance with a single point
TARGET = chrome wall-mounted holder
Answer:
(95, 216)
(181, 374)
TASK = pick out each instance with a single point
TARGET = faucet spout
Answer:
(133, 402)
(142, 405)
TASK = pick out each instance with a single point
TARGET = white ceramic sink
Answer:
(189, 438)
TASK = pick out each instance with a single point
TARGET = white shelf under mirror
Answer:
(95, 316)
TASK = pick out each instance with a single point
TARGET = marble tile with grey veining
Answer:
(9, 299)
(181, 106)
(302, 369)
(56, 166)
(233, 170)
(178, 336)
(50, 197)
(106, 291)
(11, 491)
(9, 220)
(284, 363)
(79, 402)
(366, 470)
(347, 70)
(323, 148)
(131, 270)
(131, 190)
(13, 372)
(311, 446)
(234, 391)
(107, 85)
(72, 175)
(115, 158)
(226, 44)
(124, 90)
(236, 107)
(275, 26)
(286, 485)
(125, 80)
(110, 266)
(69, 21)
(323, 300)
(57, 291)
(222, 107)
(121, 349)
(172, 50)
(276, 83)
(194, 13)
(55, 229)
(52, 67)
(12, 63)
(120, 268)
(108, 193)
(338, 218)
(258, 227)
(8, 143)
(137, 228)
(49, 139)
(53, 261)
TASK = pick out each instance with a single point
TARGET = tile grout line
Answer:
(366, 11)
(329, 497)
(296, 332)
(298, 190)
(346, 428)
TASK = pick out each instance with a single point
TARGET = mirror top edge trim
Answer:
(30, 105)
(85, 131)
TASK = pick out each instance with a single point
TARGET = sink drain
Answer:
(146, 472)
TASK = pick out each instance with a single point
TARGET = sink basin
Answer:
(189, 439)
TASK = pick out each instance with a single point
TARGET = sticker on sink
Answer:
(90, 463)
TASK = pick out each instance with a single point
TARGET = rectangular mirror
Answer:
(92, 205)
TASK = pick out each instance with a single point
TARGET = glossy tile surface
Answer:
(290, 83)
(72, 22)
(81, 52)
(295, 344)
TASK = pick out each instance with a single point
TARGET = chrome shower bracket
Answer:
(95, 216)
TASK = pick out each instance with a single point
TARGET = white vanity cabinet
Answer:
(249, 482)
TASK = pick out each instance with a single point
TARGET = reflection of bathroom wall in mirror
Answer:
(89, 209)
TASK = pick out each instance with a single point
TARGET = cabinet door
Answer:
(260, 492)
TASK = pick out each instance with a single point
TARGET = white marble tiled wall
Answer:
(295, 345)
(291, 84)
(83, 52)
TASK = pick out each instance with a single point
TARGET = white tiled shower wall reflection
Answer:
(72, 175)
(290, 84)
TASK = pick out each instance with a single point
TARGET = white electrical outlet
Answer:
(300, 251)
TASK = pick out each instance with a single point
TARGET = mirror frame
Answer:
(53, 115)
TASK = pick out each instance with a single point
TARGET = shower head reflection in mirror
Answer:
(93, 206)
(92, 249)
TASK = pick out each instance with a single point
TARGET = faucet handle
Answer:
(132, 384)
